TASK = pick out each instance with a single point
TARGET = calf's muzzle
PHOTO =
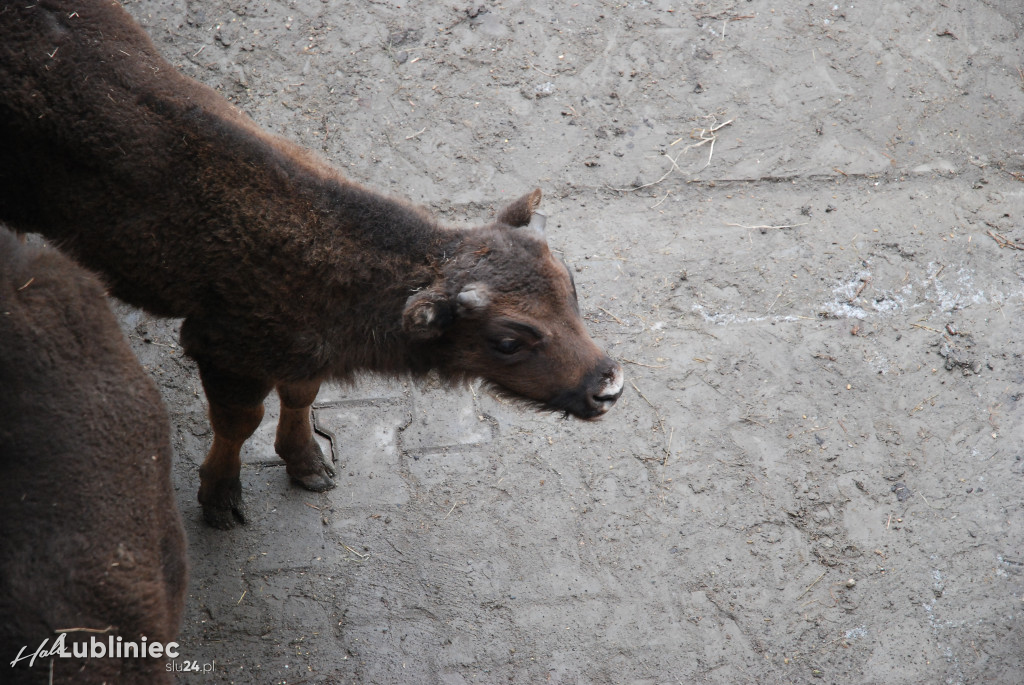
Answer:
(595, 394)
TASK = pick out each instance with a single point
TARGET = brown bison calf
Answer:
(286, 273)
(92, 542)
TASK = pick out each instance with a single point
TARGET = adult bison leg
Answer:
(295, 442)
(236, 409)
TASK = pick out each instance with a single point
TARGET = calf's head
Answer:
(504, 309)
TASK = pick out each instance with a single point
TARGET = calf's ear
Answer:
(427, 314)
(520, 212)
(430, 311)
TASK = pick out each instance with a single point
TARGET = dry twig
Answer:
(765, 227)
(1003, 241)
(923, 402)
(808, 588)
(361, 556)
(617, 319)
(543, 72)
(863, 284)
(703, 136)
(85, 630)
(646, 366)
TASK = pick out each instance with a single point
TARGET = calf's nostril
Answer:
(608, 388)
(611, 389)
(606, 397)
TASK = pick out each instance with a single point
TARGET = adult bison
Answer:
(286, 273)
(92, 558)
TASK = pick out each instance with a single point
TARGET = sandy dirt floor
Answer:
(798, 226)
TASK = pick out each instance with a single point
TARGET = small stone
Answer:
(903, 493)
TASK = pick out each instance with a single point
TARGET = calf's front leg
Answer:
(236, 409)
(295, 442)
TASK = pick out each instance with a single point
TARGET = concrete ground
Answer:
(798, 226)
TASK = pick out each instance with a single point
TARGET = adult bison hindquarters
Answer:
(92, 542)
(286, 273)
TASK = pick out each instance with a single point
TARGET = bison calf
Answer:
(92, 542)
(286, 273)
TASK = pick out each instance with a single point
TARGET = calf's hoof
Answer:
(222, 503)
(317, 482)
(315, 476)
(309, 469)
(223, 518)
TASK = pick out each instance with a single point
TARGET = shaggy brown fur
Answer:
(286, 273)
(91, 535)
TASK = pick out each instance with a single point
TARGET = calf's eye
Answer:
(507, 345)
